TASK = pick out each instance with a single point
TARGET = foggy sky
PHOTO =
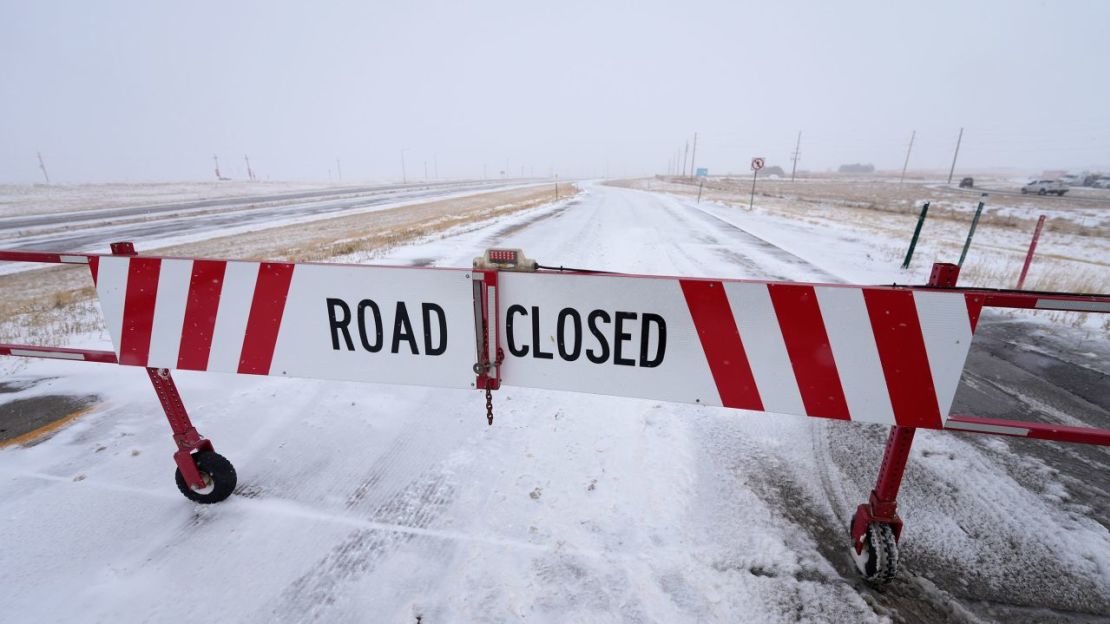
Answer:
(137, 91)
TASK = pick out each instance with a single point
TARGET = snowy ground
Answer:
(396, 504)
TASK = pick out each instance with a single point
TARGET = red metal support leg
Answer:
(883, 504)
(185, 435)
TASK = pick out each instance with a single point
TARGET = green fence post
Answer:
(916, 233)
(974, 222)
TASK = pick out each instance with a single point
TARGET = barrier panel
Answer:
(890, 355)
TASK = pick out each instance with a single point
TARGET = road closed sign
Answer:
(603, 335)
(872, 354)
(867, 354)
(325, 321)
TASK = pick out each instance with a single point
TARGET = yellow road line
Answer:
(48, 428)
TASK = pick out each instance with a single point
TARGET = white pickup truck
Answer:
(1045, 187)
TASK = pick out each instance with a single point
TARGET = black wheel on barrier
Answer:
(878, 563)
(218, 475)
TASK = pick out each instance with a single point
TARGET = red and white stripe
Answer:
(193, 314)
(882, 355)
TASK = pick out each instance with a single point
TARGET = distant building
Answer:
(776, 170)
(857, 168)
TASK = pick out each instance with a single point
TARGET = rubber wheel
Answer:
(219, 478)
(878, 563)
(1042, 192)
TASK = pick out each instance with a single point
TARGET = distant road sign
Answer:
(757, 163)
(702, 172)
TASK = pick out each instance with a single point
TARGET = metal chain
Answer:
(485, 370)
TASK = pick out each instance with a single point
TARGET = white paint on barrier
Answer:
(946, 329)
(169, 312)
(764, 346)
(111, 289)
(231, 318)
(852, 340)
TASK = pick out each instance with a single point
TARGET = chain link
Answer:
(485, 370)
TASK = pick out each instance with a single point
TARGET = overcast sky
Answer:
(130, 91)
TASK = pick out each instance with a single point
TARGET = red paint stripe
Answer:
(807, 344)
(94, 267)
(974, 309)
(720, 339)
(200, 314)
(138, 310)
(264, 320)
(902, 352)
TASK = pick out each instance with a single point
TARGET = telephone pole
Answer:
(797, 152)
(338, 170)
(694, 154)
(954, 155)
(907, 163)
(404, 174)
(216, 159)
(685, 154)
(250, 172)
(42, 166)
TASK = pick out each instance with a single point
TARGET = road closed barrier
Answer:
(891, 355)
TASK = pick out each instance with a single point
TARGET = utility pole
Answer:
(694, 154)
(797, 152)
(907, 163)
(404, 175)
(250, 172)
(42, 166)
(685, 154)
(957, 153)
(217, 161)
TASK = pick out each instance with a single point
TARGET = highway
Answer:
(152, 225)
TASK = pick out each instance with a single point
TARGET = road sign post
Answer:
(757, 164)
(916, 233)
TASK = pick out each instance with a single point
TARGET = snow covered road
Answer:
(369, 503)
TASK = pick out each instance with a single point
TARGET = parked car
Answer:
(1044, 187)
(1103, 183)
(967, 183)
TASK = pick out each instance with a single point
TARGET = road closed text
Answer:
(619, 337)
(423, 331)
